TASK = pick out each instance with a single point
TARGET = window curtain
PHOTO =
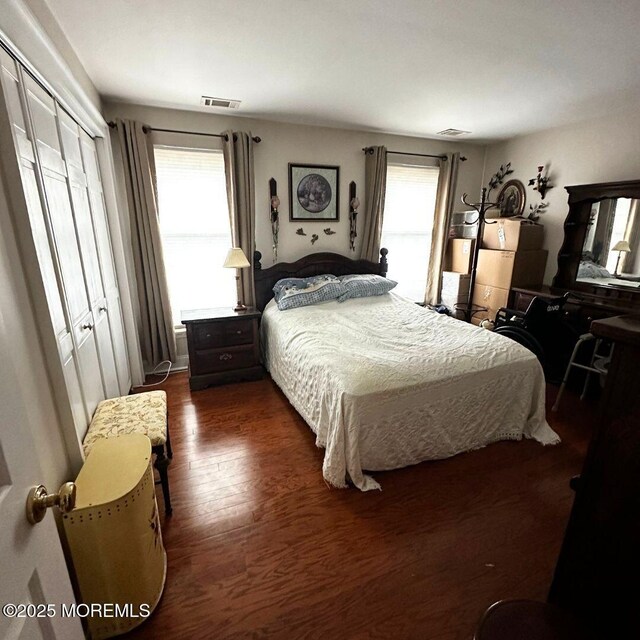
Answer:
(157, 336)
(237, 148)
(375, 187)
(444, 208)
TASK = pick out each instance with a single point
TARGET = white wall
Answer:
(283, 143)
(601, 150)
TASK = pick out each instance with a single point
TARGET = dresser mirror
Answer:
(611, 248)
(600, 254)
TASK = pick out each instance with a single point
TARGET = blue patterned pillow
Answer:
(301, 292)
(363, 286)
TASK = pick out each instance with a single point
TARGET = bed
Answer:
(384, 383)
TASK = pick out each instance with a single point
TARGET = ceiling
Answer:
(497, 68)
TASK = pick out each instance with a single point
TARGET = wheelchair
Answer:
(543, 330)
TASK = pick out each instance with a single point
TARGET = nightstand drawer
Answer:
(215, 360)
(223, 334)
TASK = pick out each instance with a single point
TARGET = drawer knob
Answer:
(226, 356)
(87, 326)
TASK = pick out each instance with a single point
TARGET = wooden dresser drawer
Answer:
(223, 334)
(225, 359)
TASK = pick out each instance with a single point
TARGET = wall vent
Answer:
(221, 103)
(453, 132)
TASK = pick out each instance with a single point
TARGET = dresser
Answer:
(223, 346)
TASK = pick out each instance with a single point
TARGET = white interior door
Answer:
(70, 137)
(61, 326)
(107, 265)
(43, 117)
(33, 569)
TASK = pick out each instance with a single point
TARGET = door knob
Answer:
(38, 501)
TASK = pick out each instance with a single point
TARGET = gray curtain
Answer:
(238, 169)
(157, 336)
(375, 168)
(629, 262)
(447, 181)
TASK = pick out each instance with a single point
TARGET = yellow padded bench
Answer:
(144, 413)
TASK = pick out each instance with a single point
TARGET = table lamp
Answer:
(237, 260)
(622, 246)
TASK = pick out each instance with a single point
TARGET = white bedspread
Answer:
(385, 383)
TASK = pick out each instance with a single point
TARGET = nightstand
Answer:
(223, 346)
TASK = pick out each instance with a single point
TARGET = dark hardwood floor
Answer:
(259, 547)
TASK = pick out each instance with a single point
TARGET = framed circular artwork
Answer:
(313, 192)
(511, 199)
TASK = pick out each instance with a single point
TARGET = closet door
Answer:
(105, 255)
(57, 189)
(70, 137)
(47, 260)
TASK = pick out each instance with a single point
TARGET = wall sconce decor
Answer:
(354, 203)
(540, 183)
(274, 202)
(498, 177)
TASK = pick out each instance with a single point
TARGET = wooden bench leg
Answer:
(161, 464)
(168, 445)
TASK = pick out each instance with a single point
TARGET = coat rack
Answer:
(481, 207)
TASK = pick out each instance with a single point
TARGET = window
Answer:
(407, 224)
(195, 229)
(621, 210)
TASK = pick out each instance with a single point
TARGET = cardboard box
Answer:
(459, 255)
(513, 234)
(455, 283)
(492, 298)
(455, 288)
(506, 269)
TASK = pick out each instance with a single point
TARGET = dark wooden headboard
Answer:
(314, 264)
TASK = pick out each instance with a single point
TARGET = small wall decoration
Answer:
(354, 203)
(498, 177)
(535, 210)
(329, 231)
(274, 202)
(300, 232)
(314, 238)
(540, 183)
(314, 192)
(511, 199)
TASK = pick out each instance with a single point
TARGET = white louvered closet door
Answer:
(58, 187)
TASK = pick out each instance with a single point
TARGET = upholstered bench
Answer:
(144, 413)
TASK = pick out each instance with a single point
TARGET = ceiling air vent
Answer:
(222, 103)
(452, 132)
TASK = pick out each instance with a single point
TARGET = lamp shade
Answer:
(236, 259)
(621, 245)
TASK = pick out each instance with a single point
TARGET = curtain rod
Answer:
(369, 150)
(146, 128)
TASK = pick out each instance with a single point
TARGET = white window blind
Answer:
(195, 229)
(407, 225)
